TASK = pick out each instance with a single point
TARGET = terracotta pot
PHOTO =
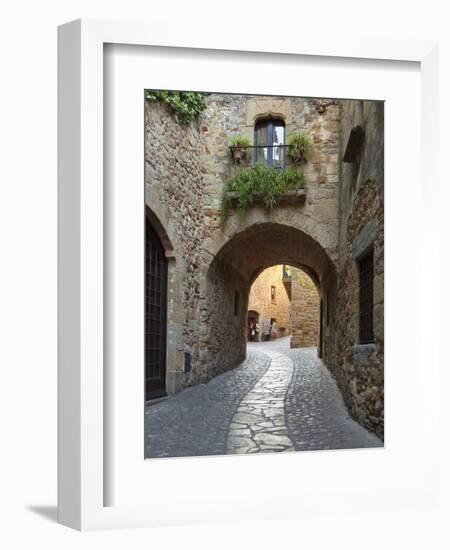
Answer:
(238, 153)
(296, 155)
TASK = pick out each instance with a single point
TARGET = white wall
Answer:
(28, 269)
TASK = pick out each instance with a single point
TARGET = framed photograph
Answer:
(241, 243)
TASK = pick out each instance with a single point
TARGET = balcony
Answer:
(274, 156)
(263, 175)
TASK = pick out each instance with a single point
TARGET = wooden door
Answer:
(155, 315)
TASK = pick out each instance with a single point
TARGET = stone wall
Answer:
(223, 321)
(358, 368)
(305, 311)
(174, 192)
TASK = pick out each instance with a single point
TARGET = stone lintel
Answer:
(268, 107)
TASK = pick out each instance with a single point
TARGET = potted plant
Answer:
(298, 146)
(238, 147)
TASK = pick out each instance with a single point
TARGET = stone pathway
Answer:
(316, 415)
(259, 423)
(195, 421)
(278, 400)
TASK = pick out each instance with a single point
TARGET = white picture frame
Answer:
(82, 483)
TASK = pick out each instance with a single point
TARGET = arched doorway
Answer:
(287, 300)
(237, 260)
(155, 314)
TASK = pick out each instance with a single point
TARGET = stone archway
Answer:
(236, 260)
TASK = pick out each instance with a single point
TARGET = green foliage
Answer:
(304, 282)
(298, 146)
(186, 105)
(239, 141)
(259, 181)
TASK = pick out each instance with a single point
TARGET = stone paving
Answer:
(277, 400)
(259, 423)
(195, 422)
(316, 415)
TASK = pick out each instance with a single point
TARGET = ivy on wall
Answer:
(186, 105)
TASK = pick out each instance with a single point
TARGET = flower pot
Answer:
(238, 154)
(296, 155)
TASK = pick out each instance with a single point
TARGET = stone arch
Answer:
(290, 217)
(265, 107)
(298, 306)
(160, 231)
(237, 253)
(268, 115)
(300, 266)
(259, 108)
(260, 245)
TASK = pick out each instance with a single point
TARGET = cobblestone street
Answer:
(279, 399)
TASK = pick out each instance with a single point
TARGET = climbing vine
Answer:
(259, 181)
(186, 105)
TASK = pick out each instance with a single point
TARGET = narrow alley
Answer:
(279, 399)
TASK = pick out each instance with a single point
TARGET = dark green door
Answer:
(155, 315)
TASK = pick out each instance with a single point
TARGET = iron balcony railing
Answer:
(275, 156)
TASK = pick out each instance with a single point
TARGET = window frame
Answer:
(273, 294)
(270, 123)
(365, 264)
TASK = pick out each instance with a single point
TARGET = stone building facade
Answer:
(269, 298)
(359, 367)
(288, 296)
(211, 264)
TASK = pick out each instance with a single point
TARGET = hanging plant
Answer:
(260, 182)
(298, 146)
(238, 148)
